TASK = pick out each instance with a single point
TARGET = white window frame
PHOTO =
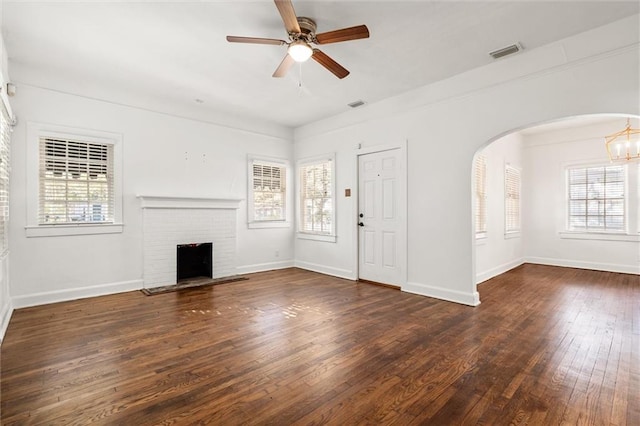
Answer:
(37, 131)
(631, 205)
(480, 194)
(252, 222)
(309, 235)
(5, 175)
(626, 191)
(509, 230)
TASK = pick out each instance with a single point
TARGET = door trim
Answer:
(402, 146)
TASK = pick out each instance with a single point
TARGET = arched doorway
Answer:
(523, 208)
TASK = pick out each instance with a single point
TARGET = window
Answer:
(596, 199)
(267, 193)
(317, 198)
(5, 151)
(511, 199)
(74, 181)
(480, 184)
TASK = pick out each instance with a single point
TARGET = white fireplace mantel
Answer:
(164, 202)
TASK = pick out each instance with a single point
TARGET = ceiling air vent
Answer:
(356, 104)
(509, 50)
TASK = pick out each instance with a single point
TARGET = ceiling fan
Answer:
(302, 37)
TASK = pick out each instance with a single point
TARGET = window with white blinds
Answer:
(480, 190)
(317, 197)
(76, 182)
(267, 191)
(596, 198)
(511, 199)
(5, 169)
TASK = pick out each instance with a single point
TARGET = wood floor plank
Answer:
(547, 346)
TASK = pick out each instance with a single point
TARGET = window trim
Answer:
(480, 195)
(512, 233)
(273, 161)
(5, 174)
(36, 131)
(607, 234)
(308, 235)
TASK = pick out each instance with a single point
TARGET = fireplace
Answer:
(194, 261)
(172, 221)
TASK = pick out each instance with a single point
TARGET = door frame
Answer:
(403, 203)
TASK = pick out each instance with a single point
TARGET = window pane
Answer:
(578, 176)
(615, 207)
(578, 192)
(595, 221)
(577, 222)
(615, 222)
(577, 207)
(614, 189)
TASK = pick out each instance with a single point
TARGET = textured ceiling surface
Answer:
(176, 52)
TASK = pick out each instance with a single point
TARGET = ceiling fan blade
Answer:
(255, 40)
(324, 60)
(285, 7)
(284, 66)
(345, 34)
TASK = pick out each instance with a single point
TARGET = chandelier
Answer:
(620, 145)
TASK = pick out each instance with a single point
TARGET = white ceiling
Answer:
(175, 51)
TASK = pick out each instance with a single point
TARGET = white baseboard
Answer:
(327, 270)
(500, 269)
(470, 299)
(607, 267)
(75, 293)
(260, 267)
(5, 317)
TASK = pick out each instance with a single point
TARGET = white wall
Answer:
(446, 123)
(497, 252)
(546, 157)
(162, 155)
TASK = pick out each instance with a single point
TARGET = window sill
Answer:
(509, 235)
(481, 239)
(316, 237)
(268, 224)
(601, 236)
(68, 230)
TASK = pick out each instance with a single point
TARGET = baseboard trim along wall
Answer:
(5, 317)
(500, 269)
(568, 263)
(75, 293)
(328, 270)
(261, 267)
(470, 299)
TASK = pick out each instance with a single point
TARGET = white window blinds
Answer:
(316, 197)
(596, 198)
(512, 199)
(5, 169)
(76, 182)
(480, 183)
(269, 191)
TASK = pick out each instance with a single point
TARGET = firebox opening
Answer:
(194, 261)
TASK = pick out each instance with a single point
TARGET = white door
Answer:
(382, 217)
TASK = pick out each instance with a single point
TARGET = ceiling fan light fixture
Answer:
(300, 51)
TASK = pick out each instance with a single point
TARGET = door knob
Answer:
(360, 224)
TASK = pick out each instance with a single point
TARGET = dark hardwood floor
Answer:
(547, 346)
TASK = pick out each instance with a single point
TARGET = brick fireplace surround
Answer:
(170, 221)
